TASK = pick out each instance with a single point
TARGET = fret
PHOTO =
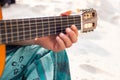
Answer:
(74, 20)
(65, 23)
(30, 28)
(48, 26)
(26, 22)
(45, 28)
(58, 25)
(23, 29)
(77, 18)
(55, 24)
(36, 26)
(33, 28)
(6, 40)
(52, 26)
(20, 29)
(26, 30)
(24, 38)
(2, 30)
(42, 27)
(79, 27)
(8, 30)
(71, 20)
(77, 21)
(61, 23)
(39, 27)
(11, 30)
(7, 23)
(68, 21)
(17, 30)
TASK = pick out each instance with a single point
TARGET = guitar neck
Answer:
(27, 29)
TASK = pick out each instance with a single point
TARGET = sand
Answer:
(96, 54)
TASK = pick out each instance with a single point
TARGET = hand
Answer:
(60, 42)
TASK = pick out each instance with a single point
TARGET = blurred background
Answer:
(96, 55)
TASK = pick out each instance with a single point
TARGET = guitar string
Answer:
(44, 24)
(43, 18)
(40, 27)
(45, 34)
(16, 38)
(39, 30)
(45, 31)
(41, 21)
(34, 29)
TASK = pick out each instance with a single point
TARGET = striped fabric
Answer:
(35, 63)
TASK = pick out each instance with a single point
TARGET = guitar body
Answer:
(2, 52)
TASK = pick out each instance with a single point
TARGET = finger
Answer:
(72, 35)
(60, 44)
(67, 13)
(74, 28)
(66, 40)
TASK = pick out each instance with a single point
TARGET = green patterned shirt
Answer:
(35, 63)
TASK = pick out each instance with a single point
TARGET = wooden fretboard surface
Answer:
(29, 28)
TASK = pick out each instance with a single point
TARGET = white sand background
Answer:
(96, 55)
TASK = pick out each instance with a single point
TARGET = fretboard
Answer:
(27, 29)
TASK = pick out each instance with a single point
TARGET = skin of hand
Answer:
(59, 42)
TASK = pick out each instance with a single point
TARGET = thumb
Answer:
(67, 13)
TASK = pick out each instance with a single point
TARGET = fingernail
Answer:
(73, 25)
(68, 30)
(61, 34)
(57, 37)
(36, 38)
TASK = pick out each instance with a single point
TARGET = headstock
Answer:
(88, 20)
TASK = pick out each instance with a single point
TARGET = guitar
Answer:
(15, 30)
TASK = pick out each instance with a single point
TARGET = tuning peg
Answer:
(84, 31)
(92, 30)
(89, 31)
